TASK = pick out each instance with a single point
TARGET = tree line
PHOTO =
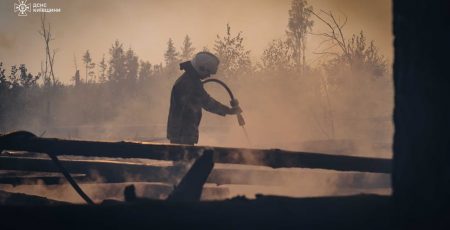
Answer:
(121, 75)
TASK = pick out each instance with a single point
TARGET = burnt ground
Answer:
(362, 211)
(264, 212)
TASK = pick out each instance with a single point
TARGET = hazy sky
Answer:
(146, 25)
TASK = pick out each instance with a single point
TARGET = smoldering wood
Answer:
(155, 191)
(107, 171)
(191, 186)
(274, 158)
(20, 199)
(95, 171)
(129, 193)
(33, 180)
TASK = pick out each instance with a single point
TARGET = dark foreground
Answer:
(264, 212)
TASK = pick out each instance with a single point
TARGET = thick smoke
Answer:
(348, 115)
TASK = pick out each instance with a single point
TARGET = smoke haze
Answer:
(302, 114)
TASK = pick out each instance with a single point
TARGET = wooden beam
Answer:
(118, 172)
(107, 171)
(274, 158)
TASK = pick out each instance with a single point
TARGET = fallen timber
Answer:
(112, 172)
(191, 186)
(119, 172)
(275, 158)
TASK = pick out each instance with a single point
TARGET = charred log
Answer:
(274, 158)
(191, 186)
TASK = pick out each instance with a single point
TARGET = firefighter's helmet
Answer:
(205, 63)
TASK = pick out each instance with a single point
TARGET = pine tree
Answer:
(171, 55)
(116, 70)
(91, 72)
(187, 51)
(171, 58)
(77, 78)
(131, 66)
(102, 72)
(87, 61)
(145, 71)
(299, 25)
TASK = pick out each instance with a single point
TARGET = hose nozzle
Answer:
(235, 104)
(240, 119)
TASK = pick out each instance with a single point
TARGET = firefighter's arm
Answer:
(213, 106)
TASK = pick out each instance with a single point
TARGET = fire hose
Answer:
(21, 135)
(70, 179)
(233, 102)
